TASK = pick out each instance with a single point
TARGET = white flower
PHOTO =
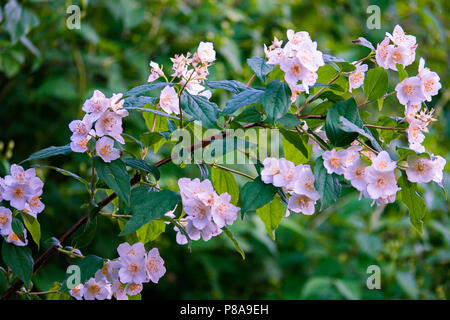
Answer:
(96, 105)
(5, 221)
(352, 154)
(116, 105)
(154, 265)
(400, 55)
(168, 100)
(80, 128)
(200, 213)
(294, 71)
(136, 250)
(133, 289)
(304, 182)
(356, 174)
(109, 271)
(110, 123)
(380, 183)
(409, 91)
(14, 239)
(420, 169)
(411, 111)
(382, 52)
(206, 52)
(356, 78)
(271, 168)
(105, 149)
(79, 144)
(301, 203)
(156, 72)
(286, 175)
(334, 161)
(77, 292)
(118, 290)
(430, 81)
(223, 212)
(383, 163)
(438, 164)
(132, 269)
(18, 194)
(99, 290)
(400, 38)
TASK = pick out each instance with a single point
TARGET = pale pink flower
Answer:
(154, 265)
(15, 240)
(206, 52)
(77, 292)
(286, 176)
(118, 290)
(334, 161)
(105, 149)
(356, 174)
(5, 221)
(110, 124)
(420, 169)
(382, 52)
(383, 162)
(430, 81)
(380, 183)
(79, 144)
(409, 91)
(438, 164)
(99, 290)
(271, 168)
(301, 203)
(304, 182)
(356, 78)
(96, 105)
(169, 101)
(223, 212)
(156, 72)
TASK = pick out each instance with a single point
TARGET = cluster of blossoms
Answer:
(23, 189)
(103, 120)
(190, 78)
(207, 212)
(402, 51)
(124, 276)
(372, 175)
(412, 92)
(298, 181)
(356, 77)
(299, 59)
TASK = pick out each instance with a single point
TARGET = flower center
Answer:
(408, 89)
(18, 193)
(105, 150)
(335, 162)
(429, 85)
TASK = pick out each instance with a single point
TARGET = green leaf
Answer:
(414, 201)
(33, 227)
(20, 261)
(326, 184)
(346, 66)
(375, 83)
(115, 175)
(135, 297)
(201, 109)
(408, 284)
(17, 227)
(402, 74)
(229, 85)
(272, 214)
(276, 100)
(260, 67)
(248, 115)
(256, 194)
(137, 102)
(291, 152)
(49, 152)
(223, 181)
(150, 231)
(139, 90)
(289, 120)
(245, 98)
(142, 165)
(347, 126)
(66, 173)
(88, 267)
(147, 205)
(348, 110)
(233, 239)
(294, 138)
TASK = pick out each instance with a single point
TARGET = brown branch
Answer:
(53, 249)
(385, 96)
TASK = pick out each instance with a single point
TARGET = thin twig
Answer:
(230, 170)
(367, 102)
(251, 80)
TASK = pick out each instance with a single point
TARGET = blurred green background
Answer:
(47, 71)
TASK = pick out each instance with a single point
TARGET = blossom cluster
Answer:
(207, 212)
(23, 189)
(402, 51)
(412, 92)
(103, 120)
(298, 181)
(299, 59)
(124, 276)
(192, 70)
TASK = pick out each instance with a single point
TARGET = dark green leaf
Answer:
(229, 85)
(147, 205)
(348, 110)
(260, 67)
(294, 138)
(414, 201)
(20, 261)
(145, 88)
(201, 109)
(143, 165)
(375, 83)
(115, 175)
(256, 194)
(245, 98)
(276, 100)
(233, 239)
(326, 184)
(49, 152)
